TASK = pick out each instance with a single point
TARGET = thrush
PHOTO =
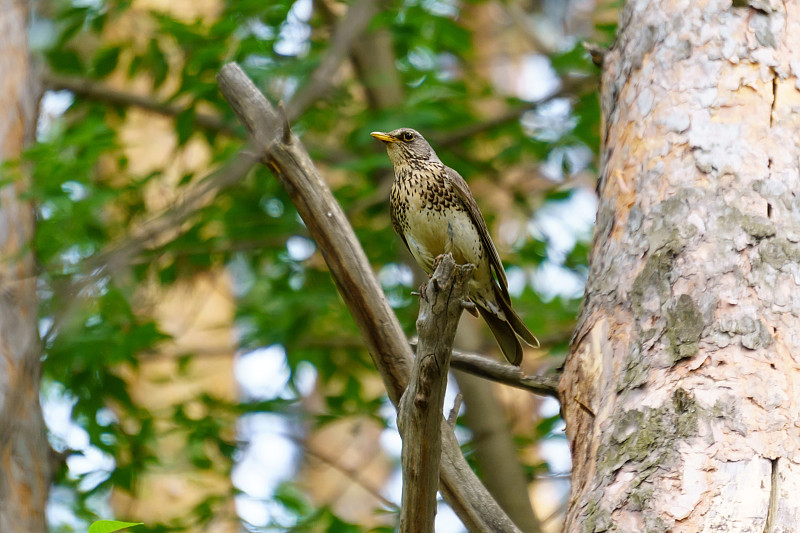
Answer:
(434, 212)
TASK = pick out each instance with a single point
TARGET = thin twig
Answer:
(347, 31)
(352, 474)
(481, 366)
(98, 92)
(453, 416)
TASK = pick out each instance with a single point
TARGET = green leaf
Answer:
(157, 62)
(65, 60)
(106, 61)
(109, 526)
(184, 124)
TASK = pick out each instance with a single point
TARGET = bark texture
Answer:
(681, 392)
(419, 414)
(24, 453)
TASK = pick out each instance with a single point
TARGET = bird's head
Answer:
(406, 145)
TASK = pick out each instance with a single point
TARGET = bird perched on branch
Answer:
(434, 213)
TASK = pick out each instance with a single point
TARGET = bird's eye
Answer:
(408, 136)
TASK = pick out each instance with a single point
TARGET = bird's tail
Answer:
(506, 326)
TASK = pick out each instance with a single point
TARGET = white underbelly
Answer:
(430, 233)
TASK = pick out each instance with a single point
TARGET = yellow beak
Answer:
(385, 137)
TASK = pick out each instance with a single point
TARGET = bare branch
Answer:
(352, 273)
(481, 366)
(419, 416)
(477, 364)
(95, 91)
(351, 473)
(569, 86)
(326, 224)
(347, 31)
(149, 233)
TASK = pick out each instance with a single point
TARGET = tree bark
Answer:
(419, 414)
(25, 471)
(681, 391)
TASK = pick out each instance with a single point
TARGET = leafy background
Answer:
(132, 124)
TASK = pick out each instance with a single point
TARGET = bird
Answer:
(434, 212)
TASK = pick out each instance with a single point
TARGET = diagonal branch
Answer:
(347, 31)
(167, 223)
(571, 85)
(92, 90)
(352, 273)
(150, 233)
(153, 230)
(353, 474)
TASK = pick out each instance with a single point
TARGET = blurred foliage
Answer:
(88, 198)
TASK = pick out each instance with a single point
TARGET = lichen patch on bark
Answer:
(684, 327)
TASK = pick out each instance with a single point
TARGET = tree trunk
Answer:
(25, 471)
(681, 392)
(495, 451)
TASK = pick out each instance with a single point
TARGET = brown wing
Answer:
(393, 214)
(463, 192)
(398, 228)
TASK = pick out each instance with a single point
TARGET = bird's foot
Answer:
(437, 261)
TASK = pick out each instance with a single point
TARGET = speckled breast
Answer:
(432, 219)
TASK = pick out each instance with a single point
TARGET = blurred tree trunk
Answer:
(25, 471)
(680, 394)
(495, 451)
(197, 311)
